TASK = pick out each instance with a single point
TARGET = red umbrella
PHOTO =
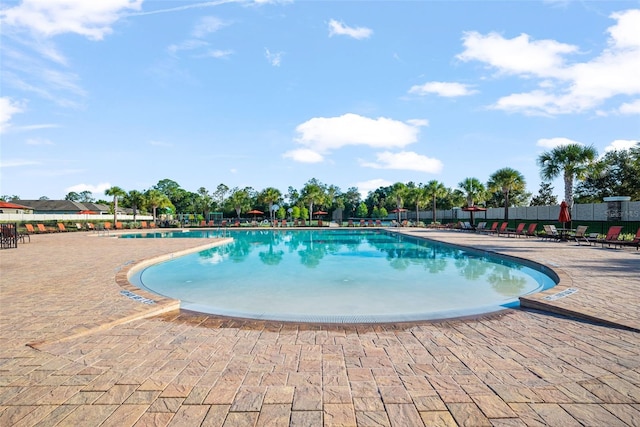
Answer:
(86, 212)
(564, 215)
(320, 213)
(255, 212)
(472, 209)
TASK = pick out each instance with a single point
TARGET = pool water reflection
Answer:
(339, 276)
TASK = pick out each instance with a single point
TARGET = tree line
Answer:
(615, 173)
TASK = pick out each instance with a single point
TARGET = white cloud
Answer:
(555, 142)
(620, 145)
(329, 133)
(418, 122)
(8, 108)
(632, 107)
(304, 155)
(405, 160)
(217, 53)
(339, 29)
(564, 87)
(274, 59)
(446, 89)
(518, 55)
(186, 45)
(207, 25)
(96, 190)
(364, 187)
(92, 19)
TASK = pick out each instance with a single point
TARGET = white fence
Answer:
(625, 211)
(23, 217)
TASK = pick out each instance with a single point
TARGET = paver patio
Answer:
(76, 351)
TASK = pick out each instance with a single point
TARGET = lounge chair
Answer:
(531, 230)
(283, 223)
(91, 226)
(43, 229)
(635, 242)
(350, 223)
(379, 223)
(481, 226)
(61, 227)
(30, 228)
(581, 235)
(493, 229)
(362, 223)
(612, 236)
(550, 232)
(143, 224)
(519, 231)
(503, 228)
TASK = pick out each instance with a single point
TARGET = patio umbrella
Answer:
(255, 212)
(87, 212)
(472, 210)
(320, 213)
(398, 211)
(564, 215)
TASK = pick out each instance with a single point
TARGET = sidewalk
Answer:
(77, 351)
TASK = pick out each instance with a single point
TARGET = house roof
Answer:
(54, 205)
(11, 205)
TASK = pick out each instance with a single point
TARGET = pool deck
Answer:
(77, 351)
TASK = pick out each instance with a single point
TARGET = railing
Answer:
(8, 236)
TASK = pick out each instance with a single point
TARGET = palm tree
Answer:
(312, 193)
(156, 199)
(116, 192)
(572, 160)
(418, 195)
(135, 200)
(433, 190)
(240, 199)
(506, 180)
(473, 190)
(270, 195)
(399, 191)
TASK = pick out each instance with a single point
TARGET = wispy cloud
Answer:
(444, 89)
(207, 25)
(274, 58)
(14, 163)
(337, 28)
(8, 108)
(404, 160)
(39, 141)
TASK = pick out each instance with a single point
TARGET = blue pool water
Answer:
(340, 276)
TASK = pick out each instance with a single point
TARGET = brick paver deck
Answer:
(76, 351)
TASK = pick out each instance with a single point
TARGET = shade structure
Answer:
(255, 212)
(564, 216)
(320, 213)
(399, 210)
(472, 210)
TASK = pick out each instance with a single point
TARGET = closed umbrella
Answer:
(564, 215)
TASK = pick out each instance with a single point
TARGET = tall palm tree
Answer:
(135, 200)
(240, 199)
(572, 161)
(433, 190)
(312, 194)
(506, 180)
(399, 191)
(270, 195)
(116, 192)
(474, 190)
(156, 199)
(418, 196)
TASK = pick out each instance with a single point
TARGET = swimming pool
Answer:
(339, 276)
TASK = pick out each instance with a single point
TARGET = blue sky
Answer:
(273, 93)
